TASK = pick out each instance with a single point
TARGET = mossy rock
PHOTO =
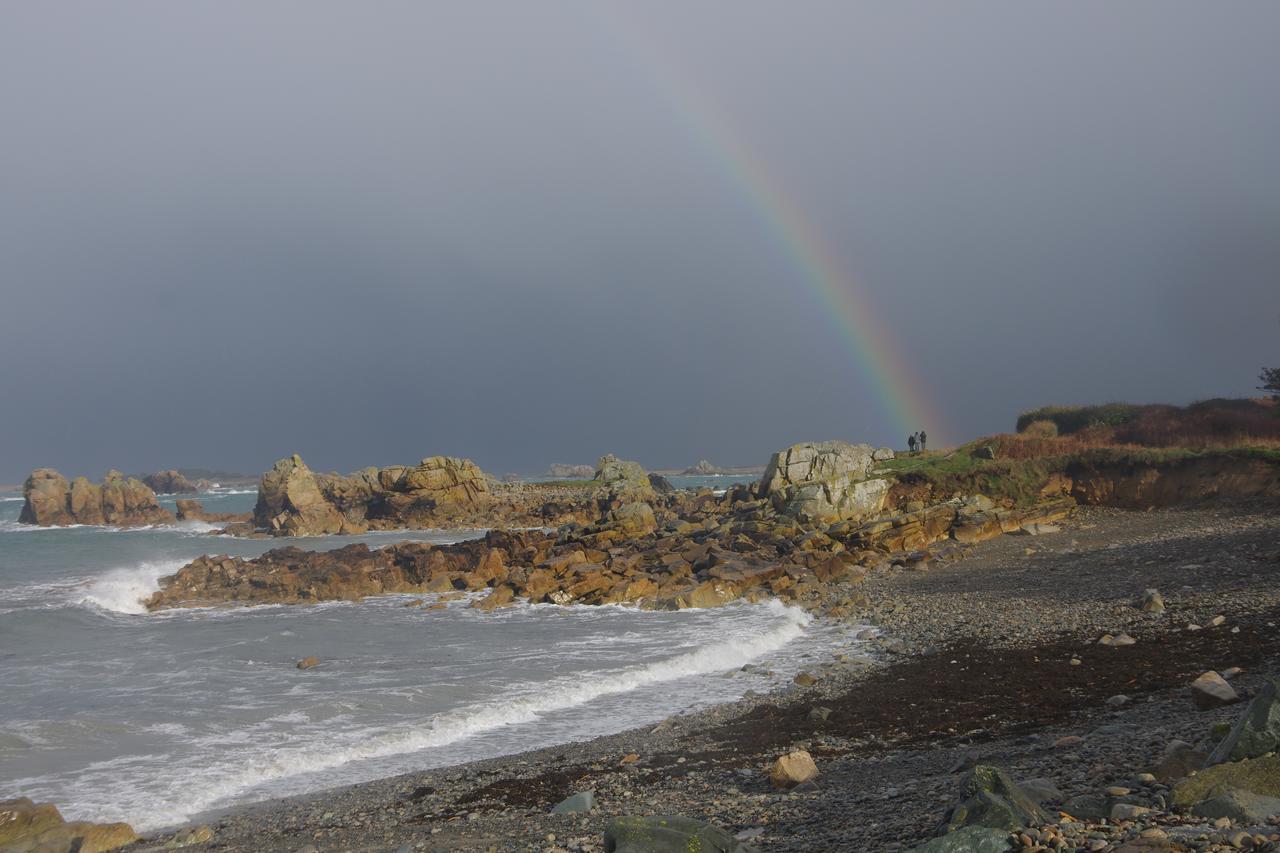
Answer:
(989, 798)
(1259, 775)
(971, 839)
(667, 834)
(1257, 732)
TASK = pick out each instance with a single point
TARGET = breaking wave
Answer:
(214, 785)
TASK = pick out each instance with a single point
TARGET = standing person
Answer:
(923, 439)
(911, 442)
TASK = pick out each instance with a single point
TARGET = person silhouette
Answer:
(923, 439)
(911, 442)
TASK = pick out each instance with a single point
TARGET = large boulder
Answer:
(169, 483)
(667, 834)
(28, 826)
(119, 500)
(290, 502)
(824, 482)
(633, 519)
(621, 474)
(988, 797)
(46, 493)
(1257, 732)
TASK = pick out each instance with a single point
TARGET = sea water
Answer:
(114, 713)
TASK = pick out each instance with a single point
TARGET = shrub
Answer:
(1071, 419)
(1044, 428)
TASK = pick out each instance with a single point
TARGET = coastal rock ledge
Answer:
(29, 826)
(49, 501)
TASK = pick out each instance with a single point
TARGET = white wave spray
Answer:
(124, 590)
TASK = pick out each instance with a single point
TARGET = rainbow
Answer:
(848, 306)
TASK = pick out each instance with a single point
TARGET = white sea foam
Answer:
(219, 784)
(124, 590)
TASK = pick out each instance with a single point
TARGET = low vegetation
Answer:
(1210, 424)
(1055, 440)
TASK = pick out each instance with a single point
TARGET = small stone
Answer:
(583, 801)
(1128, 811)
(1068, 740)
(1215, 621)
(1118, 701)
(630, 758)
(1118, 791)
(1211, 690)
(1076, 661)
(1151, 602)
(819, 714)
(1116, 641)
(308, 662)
(806, 679)
(793, 768)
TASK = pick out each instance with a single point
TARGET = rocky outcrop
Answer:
(169, 483)
(563, 471)
(827, 481)
(294, 501)
(702, 469)
(119, 501)
(25, 825)
(290, 503)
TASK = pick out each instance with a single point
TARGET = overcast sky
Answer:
(371, 232)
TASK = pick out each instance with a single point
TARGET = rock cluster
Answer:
(123, 502)
(668, 552)
(169, 483)
(29, 826)
(703, 469)
(190, 509)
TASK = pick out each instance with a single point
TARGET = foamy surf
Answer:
(226, 781)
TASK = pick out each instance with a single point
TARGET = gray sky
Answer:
(370, 232)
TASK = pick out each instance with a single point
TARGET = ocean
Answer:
(113, 713)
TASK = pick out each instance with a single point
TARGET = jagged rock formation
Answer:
(825, 481)
(124, 502)
(169, 483)
(438, 491)
(290, 503)
(563, 471)
(703, 468)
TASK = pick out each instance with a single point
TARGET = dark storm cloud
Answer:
(371, 232)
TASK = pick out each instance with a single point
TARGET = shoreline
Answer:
(983, 616)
